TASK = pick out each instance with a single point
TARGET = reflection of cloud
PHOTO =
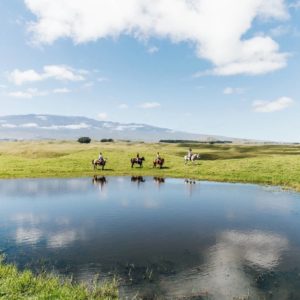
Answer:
(28, 235)
(28, 218)
(62, 239)
(258, 248)
(39, 187)
(223, 276)
(31, 229)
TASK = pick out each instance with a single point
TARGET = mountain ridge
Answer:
(47, 126)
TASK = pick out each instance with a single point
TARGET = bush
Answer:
(84, 140)
(106, 140)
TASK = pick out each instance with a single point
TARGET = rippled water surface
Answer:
(166, 240)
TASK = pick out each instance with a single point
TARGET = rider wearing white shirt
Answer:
(190, 153)
(100, 158)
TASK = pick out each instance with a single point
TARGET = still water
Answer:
(163, 239)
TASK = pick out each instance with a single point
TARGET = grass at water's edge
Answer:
(263, 164)
(17, 285)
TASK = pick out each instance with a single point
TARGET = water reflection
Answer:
(226, 273)
(162, 238)
(137, 179)
(99, 181)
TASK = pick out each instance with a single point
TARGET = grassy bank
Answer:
(16, 285)
(265, 164)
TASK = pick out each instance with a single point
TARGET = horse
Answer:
(96, 162)
(137, 160)
(193, 157)
(159, 162)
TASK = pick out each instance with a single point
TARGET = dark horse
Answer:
(96, 163)
(137, 160)
(158, 162)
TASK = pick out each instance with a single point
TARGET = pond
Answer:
(163, 238)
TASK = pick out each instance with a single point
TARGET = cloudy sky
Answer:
(221, 67)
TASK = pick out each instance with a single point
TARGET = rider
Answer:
(137, 157)
(158, 156)
(190, 153)
(100, 158)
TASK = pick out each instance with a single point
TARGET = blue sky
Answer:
(203, 66)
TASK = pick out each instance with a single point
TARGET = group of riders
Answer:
(158, 159)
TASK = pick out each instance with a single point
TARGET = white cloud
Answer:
(280, 30)
(128, 127)
(102, 79)
(69, 126)
(271, 106)
(232, 90)
(7, 125)
(123, 106)
(20, 94)
(148, 105)
(61, 91)
(29, 125)
(57, 72)
(76, 126)
(102, 116)
(3, 86)
(27, 94)
(152, 49)
(88, 84)
(295, 4)
(216, 30)
(43, 118)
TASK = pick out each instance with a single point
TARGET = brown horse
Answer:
(158, 162)
(137, 160)
(96, 163)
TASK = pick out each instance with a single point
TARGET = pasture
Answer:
(263, 164)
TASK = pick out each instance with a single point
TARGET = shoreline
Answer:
(270, 165)
(203, 180)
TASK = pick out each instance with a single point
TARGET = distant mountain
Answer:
(69, 128)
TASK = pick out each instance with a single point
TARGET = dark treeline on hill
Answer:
(194, 142)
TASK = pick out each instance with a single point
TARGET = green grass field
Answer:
(16, 285)
(264, 164)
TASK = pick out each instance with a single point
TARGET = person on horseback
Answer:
(190, 154)
(100, 158)
(157, 156)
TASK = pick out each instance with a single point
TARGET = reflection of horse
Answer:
(192, 159)
(99, 180)
(159, 179)
(158, 162)
(97, 162)
(137, 160)
(137, 179)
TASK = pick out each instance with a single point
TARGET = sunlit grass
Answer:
(17, 285)
(265, 164)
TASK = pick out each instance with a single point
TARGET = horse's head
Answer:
(143, 158)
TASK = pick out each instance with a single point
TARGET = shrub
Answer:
(84, 140)
(106, 140)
